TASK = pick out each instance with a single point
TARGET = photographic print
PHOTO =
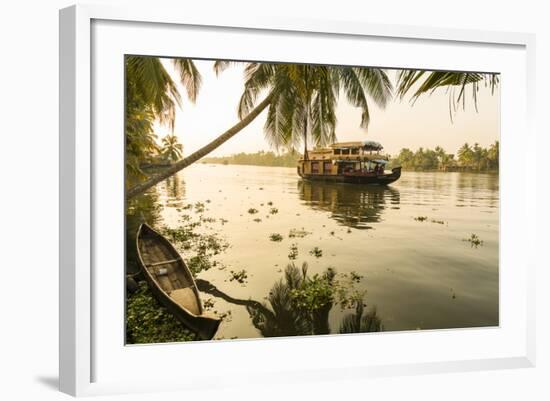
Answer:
(269, 199)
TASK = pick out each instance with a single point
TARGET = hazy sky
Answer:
(400, 125)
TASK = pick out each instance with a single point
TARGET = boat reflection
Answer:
(356, 206)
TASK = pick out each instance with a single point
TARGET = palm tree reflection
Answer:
(361, 322)
(175, 191)
(138, 210)
(299, 304)
(351, 205)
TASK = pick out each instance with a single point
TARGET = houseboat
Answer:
(348, 162)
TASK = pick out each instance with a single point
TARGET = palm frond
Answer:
(190, 76)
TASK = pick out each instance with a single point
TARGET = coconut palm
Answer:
(421, 82)
(493, 154)
(465, 155)
(305, 97)
(171, 148)
(152, 95)
(301, 102)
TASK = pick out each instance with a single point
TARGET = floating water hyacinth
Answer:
(276, 237)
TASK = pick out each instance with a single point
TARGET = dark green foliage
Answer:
(261, 158)
(468, 158)
(240, 276)
(299, 304)
(199, 247)
(317, 252)
(147, 321)
(152, 96)
(474, 240)
(275, 237)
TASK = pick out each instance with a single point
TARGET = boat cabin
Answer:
(344, 158)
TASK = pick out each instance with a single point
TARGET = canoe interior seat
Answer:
(186, 297)
(163, 262)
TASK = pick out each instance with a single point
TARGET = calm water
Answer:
(419, 275)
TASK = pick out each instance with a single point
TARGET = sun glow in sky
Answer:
(402, 124)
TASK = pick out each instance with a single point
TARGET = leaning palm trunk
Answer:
(193, 157)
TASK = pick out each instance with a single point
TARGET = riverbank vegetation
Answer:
(261, 158)
(467, 158)
(301, 104)
(147, 321)
(299, 304)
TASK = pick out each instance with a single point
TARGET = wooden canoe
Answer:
(171, 281)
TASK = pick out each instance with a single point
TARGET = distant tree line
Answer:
(468, 158)
(261, 158)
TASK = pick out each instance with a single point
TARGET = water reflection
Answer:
(296, 307)
(174, 190)
(144, 208)
(361, 321)
(354, 206)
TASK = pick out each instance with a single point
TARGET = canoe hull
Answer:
(206, 327)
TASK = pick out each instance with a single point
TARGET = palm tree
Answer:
(465, 155)
(493, 155)
(301, 102)
(427, 82)
(171, 148)
(152, 95)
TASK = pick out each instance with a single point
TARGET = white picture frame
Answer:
(91, 361)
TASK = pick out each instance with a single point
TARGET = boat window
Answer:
(314, 167)
(345, 151)
(355, 151)
(337, 151)
(327, 168)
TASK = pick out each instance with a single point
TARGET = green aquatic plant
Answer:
(295, 233)
(438, 221)
(147, 321)
(252, 210)
(200, 247)
(421, 218)
(208, 303)
(200, 207)
(299, 303)
(317, 252)
(293, 254)
(199, 263)
(240, 276)
(474, 240)
(273, 210)
(257, 220)
(355, 277)
(276, 237)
